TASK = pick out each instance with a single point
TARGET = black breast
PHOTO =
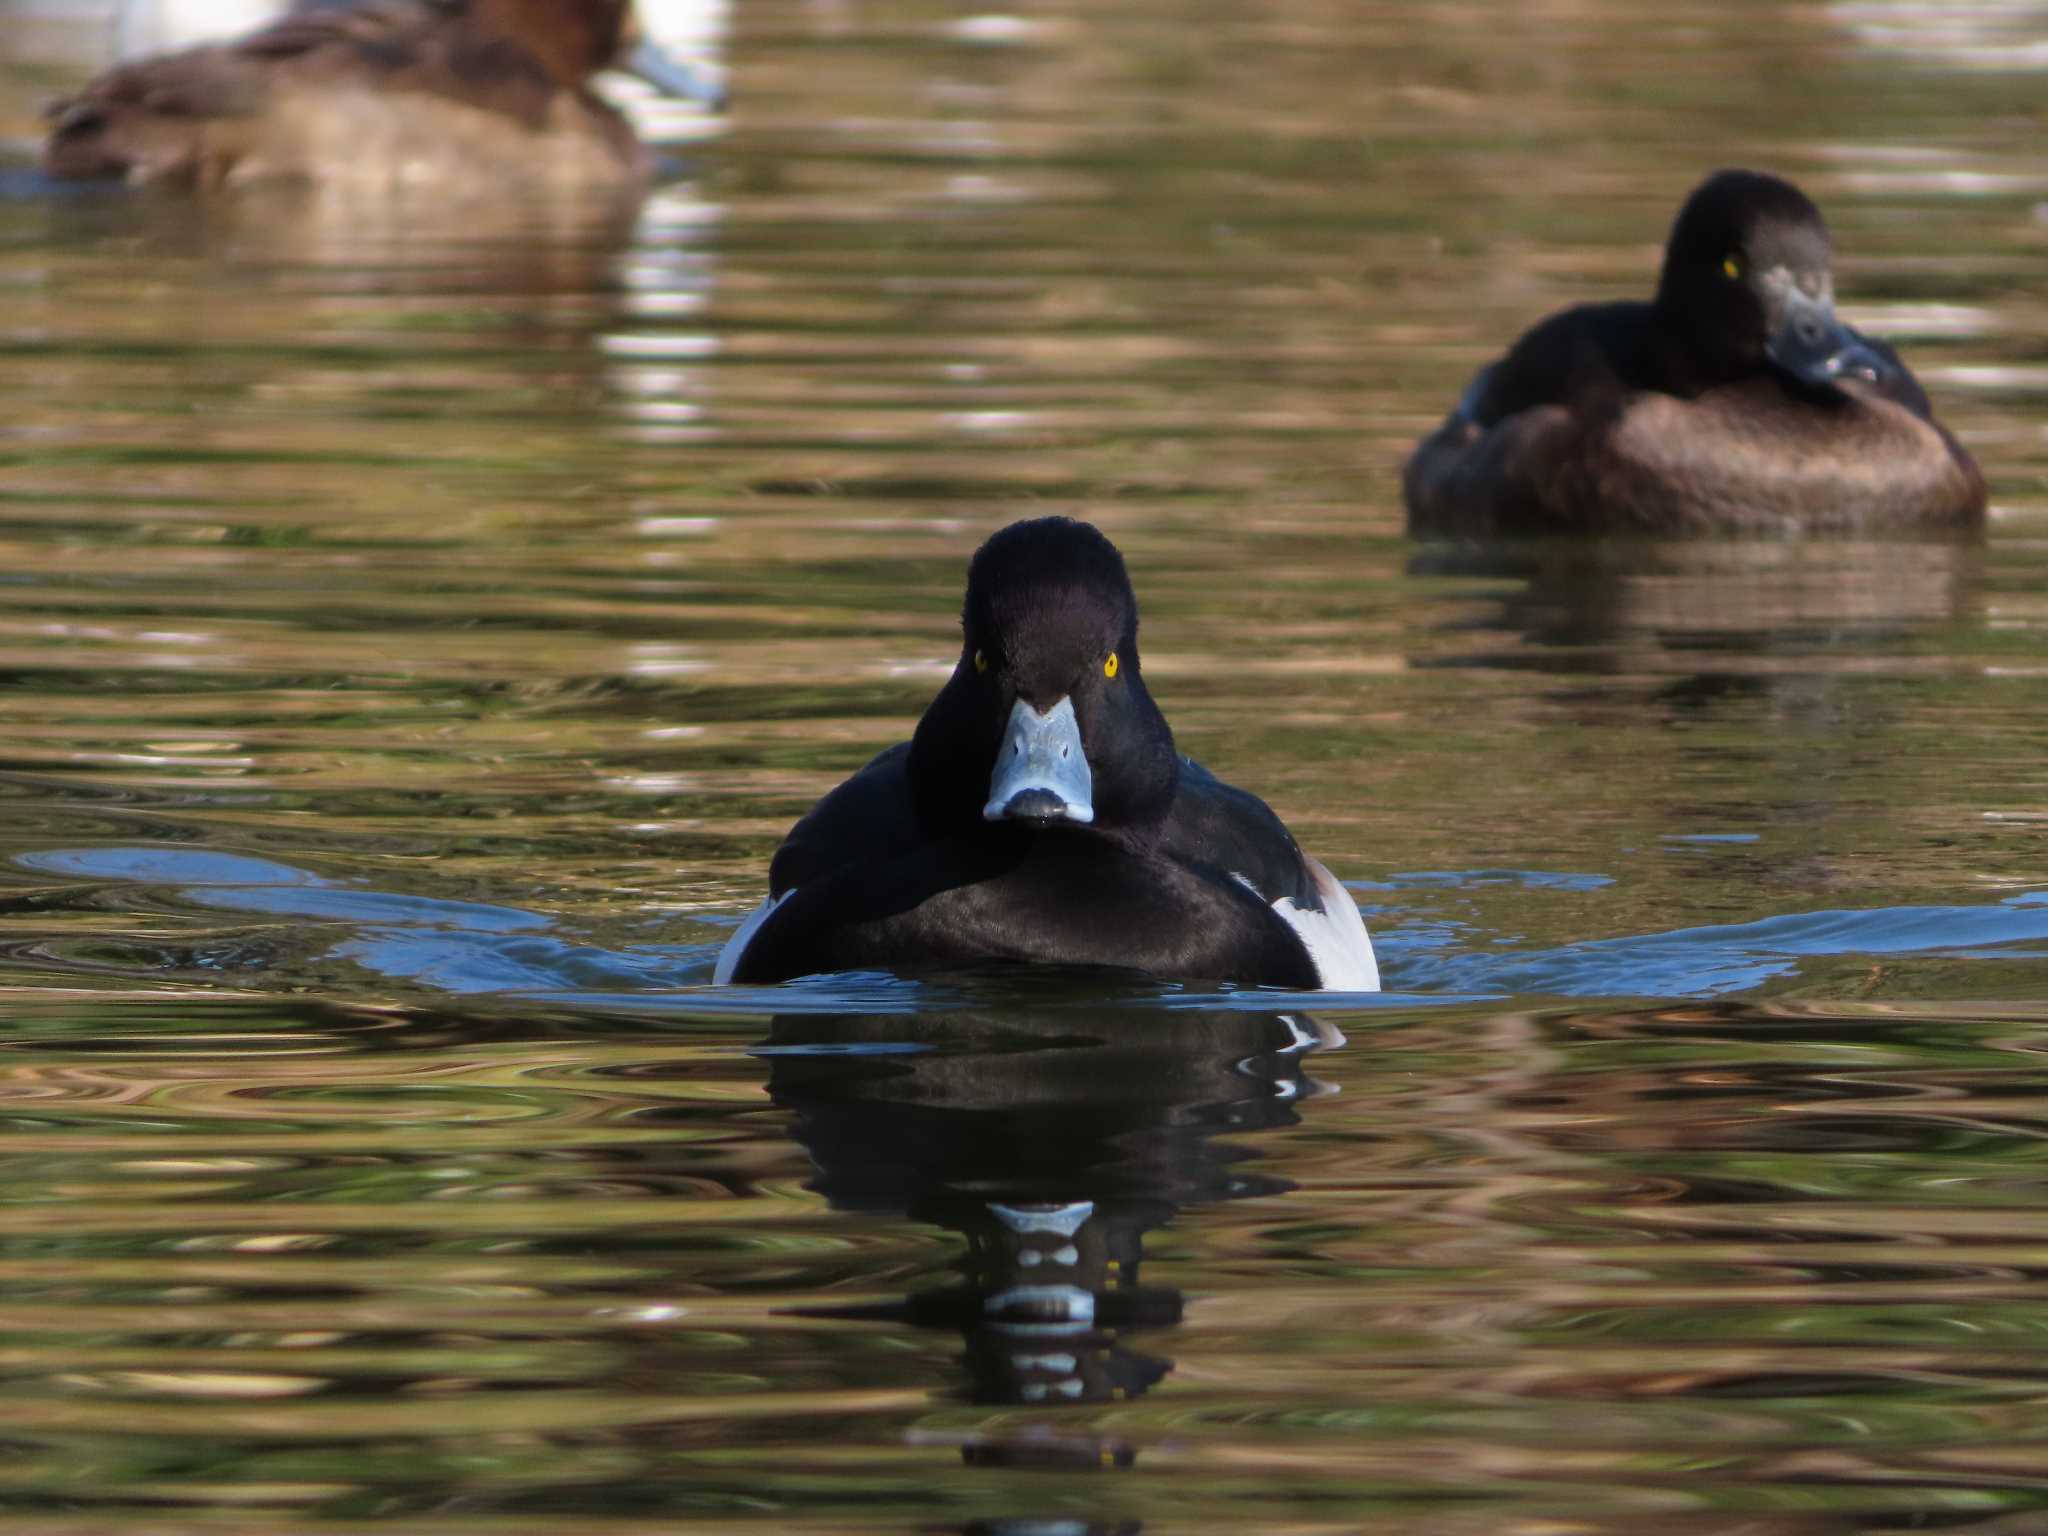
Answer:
(1052, 897)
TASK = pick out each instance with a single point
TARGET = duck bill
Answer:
(1041, 770)
(1815, 348)
(671, 76)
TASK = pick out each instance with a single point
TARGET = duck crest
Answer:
(1054, 594)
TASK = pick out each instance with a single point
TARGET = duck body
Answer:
(1733, 401)
(1042, 815)
(859, 885)
(447, 94)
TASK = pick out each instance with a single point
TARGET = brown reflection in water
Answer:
(1726, 1210)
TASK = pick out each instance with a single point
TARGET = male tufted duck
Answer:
(1734, 400)
(477, 96)
(1041, 813)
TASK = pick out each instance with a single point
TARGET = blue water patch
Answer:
(30, 184)
(454, 946)
(466, 947)
(190, 867)
(1734, 957)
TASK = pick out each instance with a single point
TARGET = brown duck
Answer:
(440, 94)
(1734, 401)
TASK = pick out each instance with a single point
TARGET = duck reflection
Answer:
(1661, 605)
(1052, 1140)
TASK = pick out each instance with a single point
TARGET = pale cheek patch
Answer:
(1818, 286)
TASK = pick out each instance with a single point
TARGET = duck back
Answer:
(1748, 458)
(405, 91)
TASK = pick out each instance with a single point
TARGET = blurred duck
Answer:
(1734, 400)
(445, 94)
(682, 40)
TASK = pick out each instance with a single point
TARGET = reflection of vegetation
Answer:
(368, 1260)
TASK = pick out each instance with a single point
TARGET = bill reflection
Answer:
(1052, 1140)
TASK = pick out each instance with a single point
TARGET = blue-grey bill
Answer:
(671, 76)
(1816, 348)
(1041, 771)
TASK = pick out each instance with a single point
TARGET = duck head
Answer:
(1045, 721)
(1748, 286)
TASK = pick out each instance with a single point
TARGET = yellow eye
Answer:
(1109, 666)
(981, 661)
(1731, 267)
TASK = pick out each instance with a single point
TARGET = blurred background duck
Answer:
(444, 94)
(685, 40)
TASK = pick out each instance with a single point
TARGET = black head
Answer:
(1046, 719)
(1747, 286)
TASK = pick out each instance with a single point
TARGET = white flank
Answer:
(1336, 936)
(742, 936)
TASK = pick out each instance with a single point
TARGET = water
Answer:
(417, 626)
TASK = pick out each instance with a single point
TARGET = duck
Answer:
(1734, 401)
(681, 42)
(450, 95)
(1041, 814)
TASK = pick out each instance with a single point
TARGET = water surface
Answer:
(418, 625)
